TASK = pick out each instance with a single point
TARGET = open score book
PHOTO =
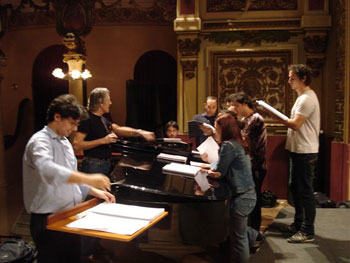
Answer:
(116, 218)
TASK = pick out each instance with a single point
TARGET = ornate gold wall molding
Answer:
(250, 37)
(189, 47)
(250, 25)
(234, 5)
(261, 74)
(316, 65)
(315, 42)
(189, 68)
(340, 26)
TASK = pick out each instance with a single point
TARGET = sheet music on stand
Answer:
(172, 157)
(116, 218)
(271, 109)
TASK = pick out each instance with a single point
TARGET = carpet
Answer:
(332, 239)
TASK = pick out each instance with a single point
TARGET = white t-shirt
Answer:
(305, 140)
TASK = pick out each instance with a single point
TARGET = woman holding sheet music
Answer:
(234, 167)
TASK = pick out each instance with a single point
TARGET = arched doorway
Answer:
(152, 94)
(45, 86)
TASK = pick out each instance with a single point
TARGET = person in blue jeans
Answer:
(96, 134)
(234, 167)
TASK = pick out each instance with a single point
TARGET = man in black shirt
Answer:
(96, 134)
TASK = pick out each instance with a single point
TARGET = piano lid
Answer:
(159, 146)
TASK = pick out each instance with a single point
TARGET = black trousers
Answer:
(301, 185)
(55, 246)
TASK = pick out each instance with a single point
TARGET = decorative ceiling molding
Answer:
(74, 16)
(90, 12)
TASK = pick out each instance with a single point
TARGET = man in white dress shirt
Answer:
(52, 183)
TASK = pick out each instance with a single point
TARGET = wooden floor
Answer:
(269, 214)
(129, 252)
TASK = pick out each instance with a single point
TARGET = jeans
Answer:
(303, 168)
(254, 219)
(241, 207)
(95, 165)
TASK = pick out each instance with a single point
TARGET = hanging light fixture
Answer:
(71, 75)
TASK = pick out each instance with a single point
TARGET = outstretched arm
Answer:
(124, 131)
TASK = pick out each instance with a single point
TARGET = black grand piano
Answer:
(196, 220)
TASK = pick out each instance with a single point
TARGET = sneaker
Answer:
(301, 237)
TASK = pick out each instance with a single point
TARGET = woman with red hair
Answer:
(234, 167)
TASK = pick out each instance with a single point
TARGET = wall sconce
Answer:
(71, 75)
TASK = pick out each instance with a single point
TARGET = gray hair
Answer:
(97, 96)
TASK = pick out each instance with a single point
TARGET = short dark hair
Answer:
(97, 96)
(171, 124)
(67, 106)
(240, 97)
(302, 71)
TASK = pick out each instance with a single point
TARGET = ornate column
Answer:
(75, 58)
(188, 84)
(187, 24)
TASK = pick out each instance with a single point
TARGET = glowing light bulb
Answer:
(58, 73)
(75, 74)
(86, 74)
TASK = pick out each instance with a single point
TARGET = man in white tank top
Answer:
(302, 144)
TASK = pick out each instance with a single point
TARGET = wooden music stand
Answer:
(58, 222)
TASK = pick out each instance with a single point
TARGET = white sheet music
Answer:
(183, 169)
(116, 218)
(211, 148)
(271, 109)
(202, 180)
(172, 157)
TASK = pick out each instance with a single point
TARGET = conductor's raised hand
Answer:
(104, 195)
(99, 181)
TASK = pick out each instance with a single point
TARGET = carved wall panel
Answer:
(261, 74)
(340, 67)
(239, 5)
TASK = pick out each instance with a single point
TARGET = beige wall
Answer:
(112, 53)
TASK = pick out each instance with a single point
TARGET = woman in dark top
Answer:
(234, 167)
